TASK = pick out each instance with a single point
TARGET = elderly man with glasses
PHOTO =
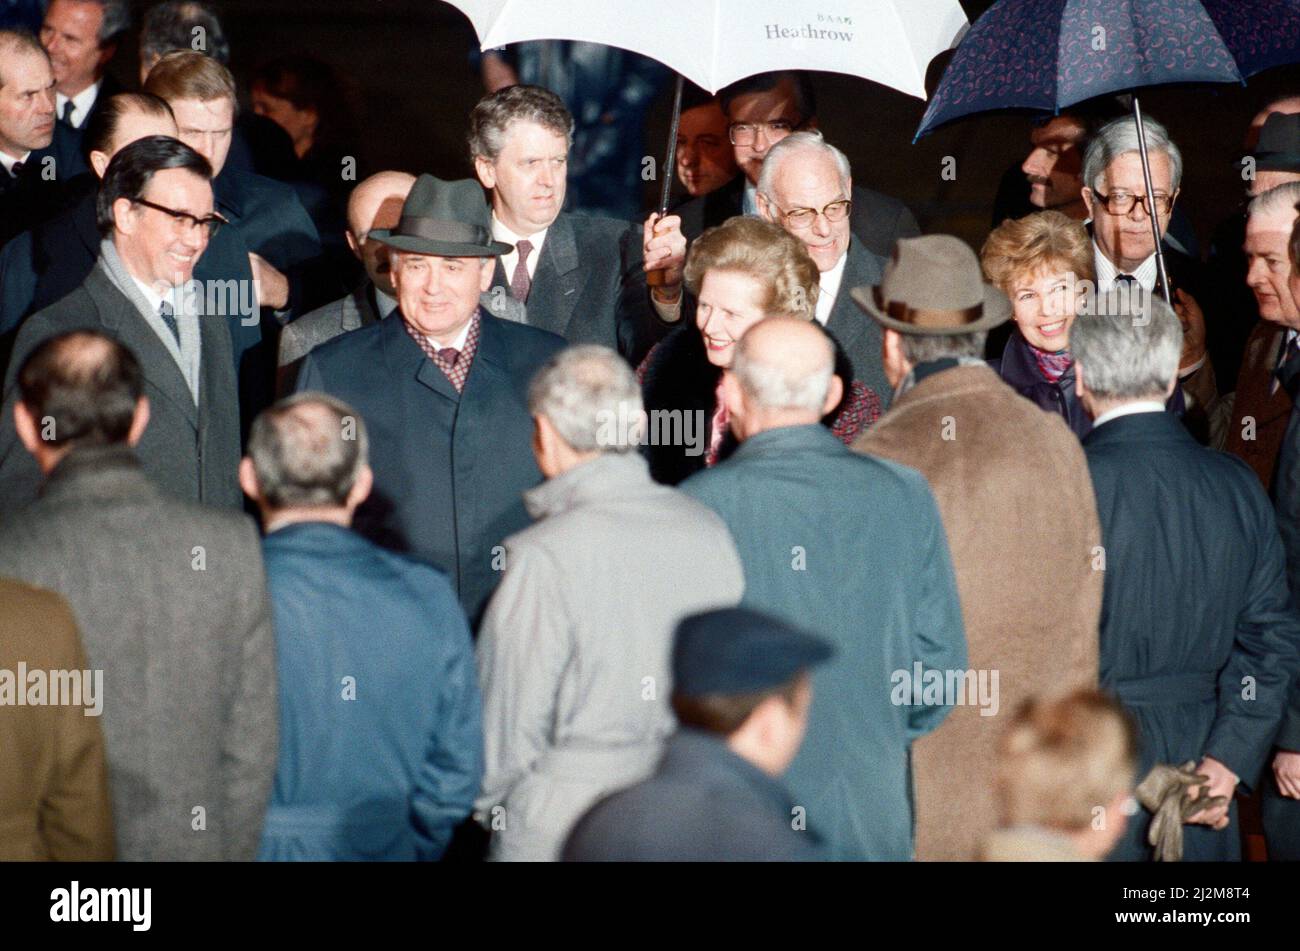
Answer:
(1124, 251)
(155, 218)
(806, 187)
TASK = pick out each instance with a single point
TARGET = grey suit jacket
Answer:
(858, 334)
(191, 452)
(172, 604)
(589, 286)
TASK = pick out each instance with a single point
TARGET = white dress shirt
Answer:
(457, 342)
(81, 103)
(1128, 409)
(510, 261)
(1145, 273)
(9, 161)
(830, 282)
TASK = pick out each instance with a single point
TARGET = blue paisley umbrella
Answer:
(1045, 55)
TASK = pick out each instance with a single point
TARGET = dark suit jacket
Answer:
(191, 452)
(32, 196)
(449, 467)
(703, 804)
(878, 219)
(69, 143)
(171, 600)
(1179, 630)
(1268, 410)
(589, 286)
(858, 334)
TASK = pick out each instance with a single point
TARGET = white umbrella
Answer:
(716, 42)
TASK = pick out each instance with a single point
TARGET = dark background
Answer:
(407, 66)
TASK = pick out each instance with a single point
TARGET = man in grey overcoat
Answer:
(574, 651)
(171, 600)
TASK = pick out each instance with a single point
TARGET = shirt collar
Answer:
(502, 233)
(1107, 271)
(457, 342)
(155, 299)
(8, 161)
(1128, 409)
(830, 282)
(81, 103)
(749, 203)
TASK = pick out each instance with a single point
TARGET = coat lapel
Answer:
(555, 282)
(120, 316)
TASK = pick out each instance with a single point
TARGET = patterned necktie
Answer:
(450, 354)
(169, 318)
(521, 283)
(68, 109)
(18, 169)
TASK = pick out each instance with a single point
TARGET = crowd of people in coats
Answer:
(765, 529)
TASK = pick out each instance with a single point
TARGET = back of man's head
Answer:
(590, 396)
(784, 365)
(1129, 349)
(1062, 759)
(81, 389)
(131, 169)
(182, 25)
(308, 451)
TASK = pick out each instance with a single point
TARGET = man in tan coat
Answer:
(1017, 505)
(54, 801)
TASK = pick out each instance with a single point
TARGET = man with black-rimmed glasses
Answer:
(155, 216)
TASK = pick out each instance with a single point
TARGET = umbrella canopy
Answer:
(1048, 54)
(716, 42)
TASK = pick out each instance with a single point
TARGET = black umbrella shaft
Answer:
(670, 161)
(1152, 213)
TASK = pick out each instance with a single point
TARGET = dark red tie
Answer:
(449, 355)
(521, 283)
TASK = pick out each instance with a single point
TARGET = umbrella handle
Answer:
(1151, 201)
(670, 160)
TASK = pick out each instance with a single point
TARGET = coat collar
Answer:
(813, 438)
(610, 476)
(699, 755)
(407, 360)
(315, 537)
(861, 268)
(560, 250)
(104, 472)
(1143, 428)
(956, 380)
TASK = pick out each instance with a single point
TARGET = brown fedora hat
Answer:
(933, 285)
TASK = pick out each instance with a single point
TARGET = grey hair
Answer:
(1275, 201)
(1127, 353)
(170, 26)
(775, 388)
(809, 141)
(492, 117)
(117, 19)
(308, 450)
(589, 394)
(1119, 137)
(926, 348)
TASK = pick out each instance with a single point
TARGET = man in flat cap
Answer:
(741, 692)
(956, 422)
(852, 548)
(443, 388)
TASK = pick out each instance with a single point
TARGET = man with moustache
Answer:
(155, 218)
(705, 160)
(81, 37)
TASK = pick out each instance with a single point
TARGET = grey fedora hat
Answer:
(933, 285)
(449, 219)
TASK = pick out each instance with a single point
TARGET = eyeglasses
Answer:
(210, 225)
(1121, 203)
(801, 218)
(744, 133)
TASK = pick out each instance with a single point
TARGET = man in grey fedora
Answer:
(443, 387)
(968, 433)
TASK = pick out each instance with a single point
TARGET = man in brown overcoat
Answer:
(1017, 504)
(54, 801)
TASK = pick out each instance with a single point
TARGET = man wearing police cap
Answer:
(442, 386)
(741, 692)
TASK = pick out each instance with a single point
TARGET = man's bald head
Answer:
(376, 203)
(783, 375)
